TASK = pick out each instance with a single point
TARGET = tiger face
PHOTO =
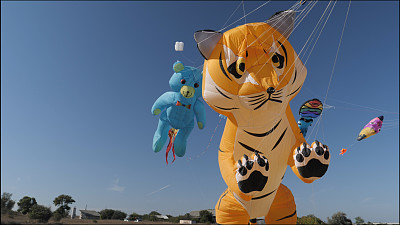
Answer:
(251, 67)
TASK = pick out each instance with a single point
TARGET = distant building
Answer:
(73, 215)
(196, 214)
(89, 214)
(187, 222)
(162, 217)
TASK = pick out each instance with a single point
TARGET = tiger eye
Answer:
(240, 66)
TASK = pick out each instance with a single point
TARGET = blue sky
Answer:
(78, 80)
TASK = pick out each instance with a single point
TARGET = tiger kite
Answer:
(250, 75)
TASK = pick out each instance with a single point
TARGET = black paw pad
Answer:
(312, 162)
(252, 174)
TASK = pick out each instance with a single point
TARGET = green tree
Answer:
(339, 218)
(134, 216)
(106, 214)
(153, 213)
(187, 216)
(57, 216)
(25, 204)
(359, 220)
(118, 215)
(40, 213)
(63, 201)
(309, 219)
(6, 203)
(206, 216)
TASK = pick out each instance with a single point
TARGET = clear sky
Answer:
(78, 80)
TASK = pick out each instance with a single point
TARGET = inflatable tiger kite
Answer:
(250, 75)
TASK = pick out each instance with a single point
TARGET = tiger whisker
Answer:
(261, 104)
(257, 99)
(256, 96)
(275, 100)
(258, 102)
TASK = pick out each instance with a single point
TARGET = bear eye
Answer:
(277, 60)
(237, 68)
(196, 85)
(183, 81)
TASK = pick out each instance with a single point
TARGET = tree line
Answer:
(28, 205)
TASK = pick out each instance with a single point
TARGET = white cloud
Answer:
(367, 199)
(115, 186)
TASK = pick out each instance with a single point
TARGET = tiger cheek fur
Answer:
(250, 75)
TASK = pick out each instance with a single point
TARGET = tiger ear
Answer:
(283, 22)
(206, 41)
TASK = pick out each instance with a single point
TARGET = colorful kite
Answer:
(373, 127)
(310, 110)
(250, 75)
(178, 108)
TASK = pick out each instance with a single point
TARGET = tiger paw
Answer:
(312, 162)
(252, 174)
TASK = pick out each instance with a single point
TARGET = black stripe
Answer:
(260, 105)
(255, 103)
(220, 199)
(295, 75)
(224, 108)
(288, 216)
(249, 148)
(294, 91)
(279, 140)
(263, 196)
(284, 49)
(222, 93)
(264, 134)
(256, 96)
(220, 150)
(222, 66)
(274, 100)
(256, 99)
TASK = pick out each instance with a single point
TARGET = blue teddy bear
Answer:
(178, 108)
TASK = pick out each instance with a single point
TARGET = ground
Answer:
(23, 219)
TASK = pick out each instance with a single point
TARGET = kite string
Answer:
(361, 106)
(200, 57)
(282, 108)
(334, 64)
(209, 143)
(244, 12)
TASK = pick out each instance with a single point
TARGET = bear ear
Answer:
(206, 41)
(283, 22)
(178, 66)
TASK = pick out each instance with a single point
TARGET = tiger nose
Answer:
(270, 90)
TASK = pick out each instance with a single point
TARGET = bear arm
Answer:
(200, 112)
(164, 101)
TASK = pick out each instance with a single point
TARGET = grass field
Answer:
(24, 219)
